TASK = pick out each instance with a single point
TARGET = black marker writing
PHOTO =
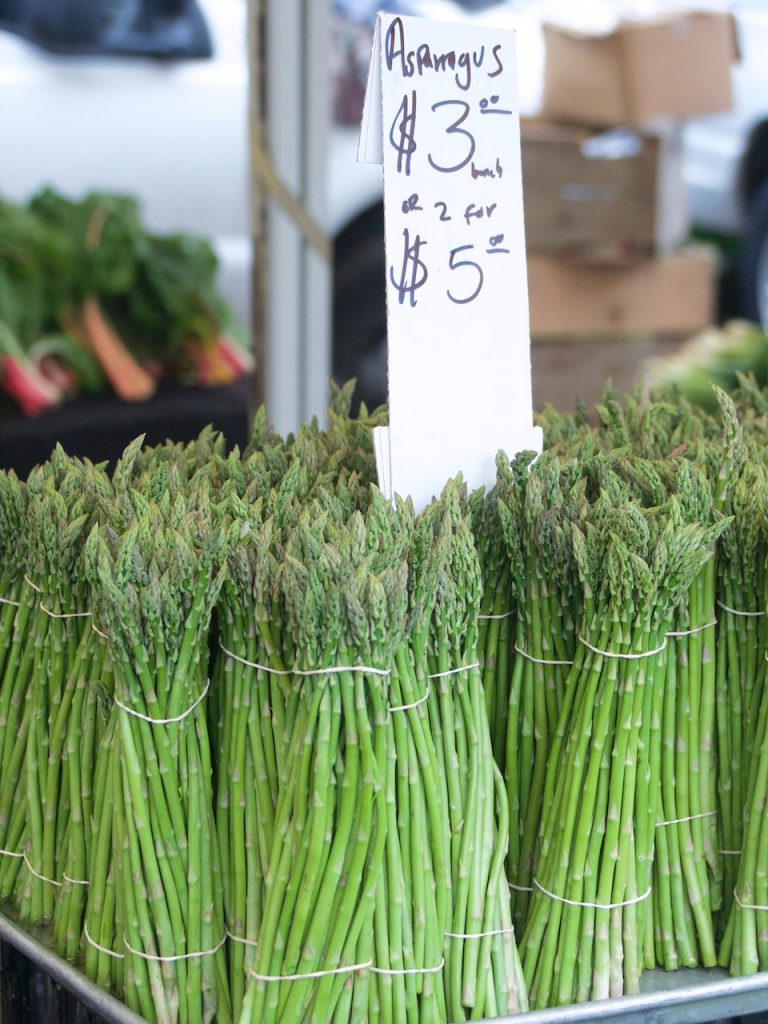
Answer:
(465, 139)
(486, 172)
(474, 212)
(419, 59)
(413, 264)
(499, 65)
(495, 242)
(402, 132)
(488, 106)
(475, 268)
(411, 203)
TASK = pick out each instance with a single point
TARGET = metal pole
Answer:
(317, 265)
(290, 113)
(257, 143)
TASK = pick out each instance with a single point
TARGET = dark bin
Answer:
(99, 428)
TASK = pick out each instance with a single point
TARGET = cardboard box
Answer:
(668, 295)
(564, 372)
(615, 196)
(677, 66)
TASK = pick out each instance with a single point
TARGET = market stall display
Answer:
(274, 749)
(90, 301)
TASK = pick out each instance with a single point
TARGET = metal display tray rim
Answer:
(686, 996)
(69, 977)
(679, 997)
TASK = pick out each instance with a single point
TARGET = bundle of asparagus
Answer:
(687, 866)
(741, 645)
(16, 614)
(63, 497)
(254, 704)
(535, 515)
(482, 970)
(585, 928)
(157, 585)
(743, 722)
(496, 618)
(345, 606)
(744, 947)
(412, 906)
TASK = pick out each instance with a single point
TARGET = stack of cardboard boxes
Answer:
(605, 204)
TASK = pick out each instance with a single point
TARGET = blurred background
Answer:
(185, 232)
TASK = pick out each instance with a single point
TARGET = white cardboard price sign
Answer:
(441, 114)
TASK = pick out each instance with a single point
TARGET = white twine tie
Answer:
(164, 721)
(179, 956)
(595, 906)
(34, 586)
(43, 878)
(520, 888)
(480, 935)
(691, 632)
(310, 974)
(101, 949)
(736, 611)
(748, 906)
(540, 661)
(395, 972)
(415, 704)
(74, 881)
(627, 657)
(332, 670)
(691, 817)
(240, 939)
(454, 671)
(64, 615)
